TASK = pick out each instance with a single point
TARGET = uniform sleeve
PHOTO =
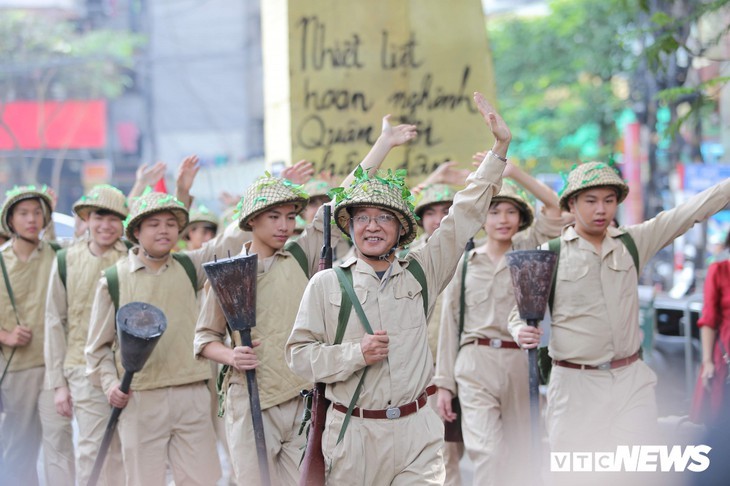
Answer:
(54, 343)
(312, 239)
(448, 347)
(211, 325)
(515, 323)
(100, 366)
(308, 353)
(653, 235)
(711, 307)
(227, 243)
(467, 215)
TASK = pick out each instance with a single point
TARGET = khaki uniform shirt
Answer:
(279, 288)
(488, 298)
(172, 362)
(68, 308)
(596, 314)
(29, 283)
(394, 305)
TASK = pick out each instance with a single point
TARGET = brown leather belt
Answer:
(496, 343)
(391, 413)
(609, 365)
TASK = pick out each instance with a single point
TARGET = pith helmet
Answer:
(21, 193)
(201, 214)
(511, 192)
(589, 175)
(153, 203)
(102, 197)
(386, 190)
(267, 192)
(430, 195)
(317, 188)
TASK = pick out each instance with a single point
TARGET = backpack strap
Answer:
(554, 246)
(462, 298)
(187, 264)
(345, 279)
(297, 252)
(61, 259)
(55, 246)
(112, 282)
(630, 245)
(417, 271)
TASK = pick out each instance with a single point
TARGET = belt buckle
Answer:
(495, 343)
(392, 413)
(604, 366)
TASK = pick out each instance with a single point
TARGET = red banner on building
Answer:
(28, 125)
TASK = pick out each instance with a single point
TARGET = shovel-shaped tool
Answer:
(234, 282)
(139, 327)
(532, 273)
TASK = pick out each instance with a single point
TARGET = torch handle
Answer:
(256, 416)
(534, 384)
(109, 432)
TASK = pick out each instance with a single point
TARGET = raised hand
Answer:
(448, 173)
(398, 135)
(500, 130)
(299, 173)
(227, 199)
(148, 175)
(186, 173)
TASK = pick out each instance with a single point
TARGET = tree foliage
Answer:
(562, 79)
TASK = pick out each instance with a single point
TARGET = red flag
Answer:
(160, 186)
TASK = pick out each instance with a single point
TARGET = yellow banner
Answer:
(351, 62)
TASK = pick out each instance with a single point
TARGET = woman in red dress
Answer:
(714, 324)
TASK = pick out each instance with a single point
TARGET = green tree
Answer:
(44, 59)
(562, 79)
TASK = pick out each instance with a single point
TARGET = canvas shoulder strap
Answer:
(55, 246)
(61, 259)
(345, 279)
(462, 298)
(112, 282)
(630, 245)
(554, 246)
(417, 271)
(297, 252)
(6, 278)
(187, 264)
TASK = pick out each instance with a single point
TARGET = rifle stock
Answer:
(312, 468)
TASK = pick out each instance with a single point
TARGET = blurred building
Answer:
(196, 87)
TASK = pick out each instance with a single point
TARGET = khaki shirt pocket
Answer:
(409, 303)
(355, 331)
(572, 284)
(624, 272)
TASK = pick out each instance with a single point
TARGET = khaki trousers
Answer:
(596, 410)
(495, 406)
(452, 451)
(403, 451)
(92, 411)
(172, 426)
(30, 419)
(284, 445)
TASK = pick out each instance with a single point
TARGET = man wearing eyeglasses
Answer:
(389, 435)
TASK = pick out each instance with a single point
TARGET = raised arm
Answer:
(539, 189)
(390, 137)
